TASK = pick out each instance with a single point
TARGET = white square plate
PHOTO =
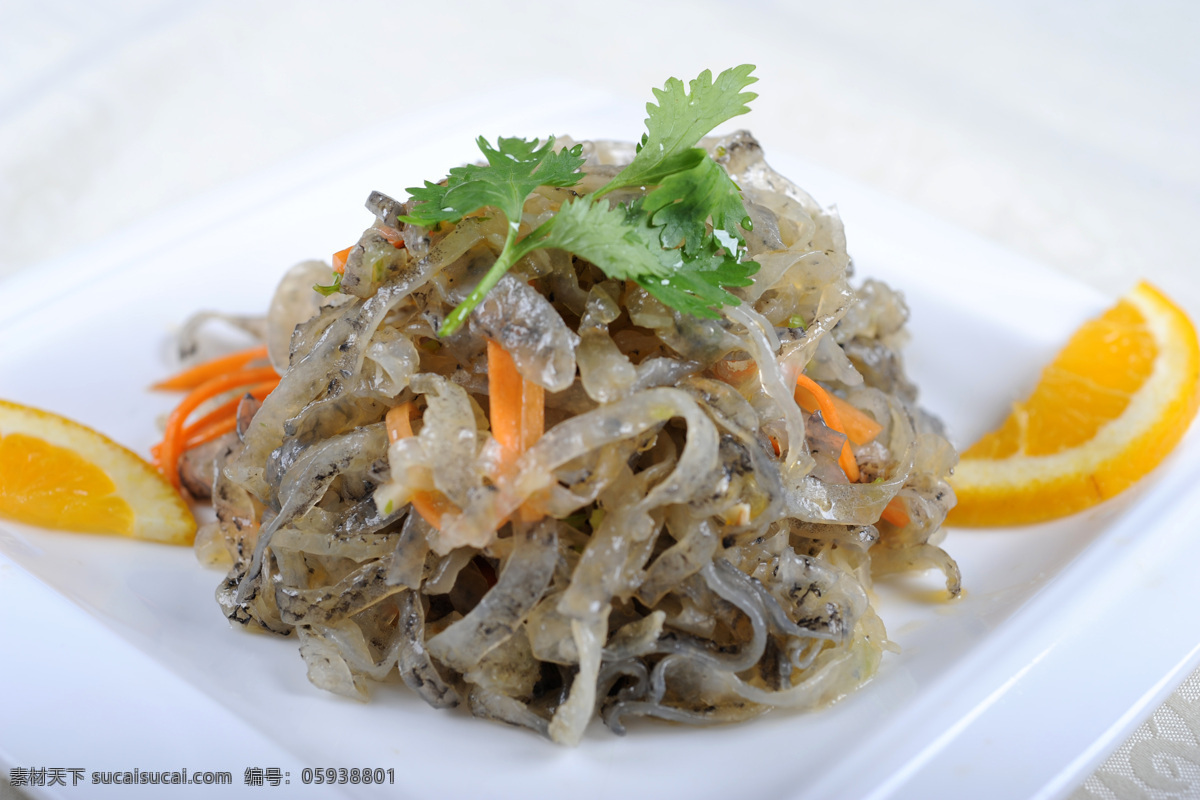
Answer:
(116, 656)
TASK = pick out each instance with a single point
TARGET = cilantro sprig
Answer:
(682, 242)
(515, 167)
(680, 120)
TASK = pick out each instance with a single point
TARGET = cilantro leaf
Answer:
(684, 201)
(691, 189)
(680, 120)
(693, 282)
(662, 241)
(514, 169)
(622, 242)
(604, 236)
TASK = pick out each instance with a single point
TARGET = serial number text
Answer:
(342, 775)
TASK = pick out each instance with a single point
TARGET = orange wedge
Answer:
(1106, 411)
(59, 474)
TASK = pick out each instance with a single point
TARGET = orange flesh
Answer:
(44, 484)
(1074, 398)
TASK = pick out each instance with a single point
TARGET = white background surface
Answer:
(1069, 132)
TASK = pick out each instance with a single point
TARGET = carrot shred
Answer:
(859, 427)
(518, 419)
(223, 419)
(227, 410)
(209, 432)
(193, 377)
(517, 406)
(399, 422)
(393, 236)
(504, 401)
(895, 513)
(533, 414)
(432, 506)
(339, 260)
(517, 412)
(734, 375)
(829, 412)
(174, 441)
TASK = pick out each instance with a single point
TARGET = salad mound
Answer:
(590, 428)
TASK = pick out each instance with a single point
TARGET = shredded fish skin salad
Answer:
(582, 501)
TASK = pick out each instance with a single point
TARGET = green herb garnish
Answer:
(661, 241)
(679, 121)
(335, 286)
(515, 168)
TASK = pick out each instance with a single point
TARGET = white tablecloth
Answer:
(1068, 131)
